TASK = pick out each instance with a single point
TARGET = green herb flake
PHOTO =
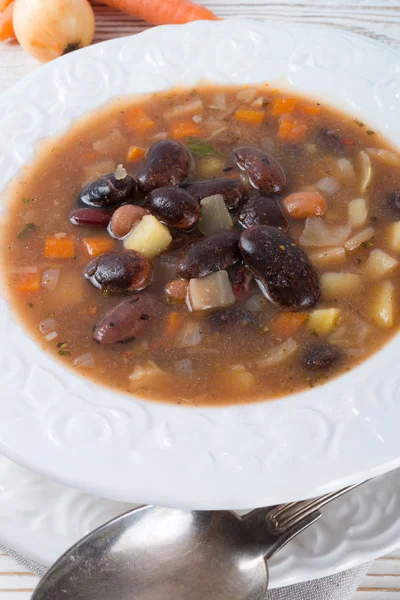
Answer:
(30, 304)
(370, 132)
(367, 244)
(201, 147)
(27, 201)
(62, 345)
(64, 353)
(359, 123)
(27, 230)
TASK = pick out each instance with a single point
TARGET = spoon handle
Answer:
(286, 516)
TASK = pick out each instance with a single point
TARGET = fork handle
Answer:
(286, 516)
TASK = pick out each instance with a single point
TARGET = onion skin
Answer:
(47, 29)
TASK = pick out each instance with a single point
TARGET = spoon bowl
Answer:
(155, 553)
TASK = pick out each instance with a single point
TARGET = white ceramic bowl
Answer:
(92, 438)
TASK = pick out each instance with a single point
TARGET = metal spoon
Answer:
(153, 553)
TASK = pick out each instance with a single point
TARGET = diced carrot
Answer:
(28, 282)
(138, 120)
(96, 245)
(183, 129)
(59, 247)
(174, 322)
(249, 116)
(286, 324)
(293, 131)
(6, 23)
(309, 109)
(163, 12)
(283, 106)
(135, 153)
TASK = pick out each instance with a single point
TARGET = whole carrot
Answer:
(164, 12)
(6, 23)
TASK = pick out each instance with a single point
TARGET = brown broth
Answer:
(223, 367)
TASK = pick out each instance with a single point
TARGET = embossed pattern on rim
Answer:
(41, 519)
(128, 449)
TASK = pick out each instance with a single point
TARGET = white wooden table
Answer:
(378, 19)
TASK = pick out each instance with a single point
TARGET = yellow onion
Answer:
(50, 28)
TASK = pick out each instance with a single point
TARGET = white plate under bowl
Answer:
(128, 449)
(41, 519)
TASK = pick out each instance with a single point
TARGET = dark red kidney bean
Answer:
(168, 163)
(393, 202)
(283, 271)
(321, 356)
(123, 271)
(232, 190)
(108, 191)
(213, 253)
(90, 217)
(232, 317)
(331, 141)
(126, 320)
(262, 209)
(263, 171)
(174, 206)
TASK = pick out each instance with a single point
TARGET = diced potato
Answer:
(210, 166)
(379, 264)
(360, 238)
(323, 320)
(394, 236)
(382, 308)
(339, 285)
(71, 289)
(111, 142)
(143, 375)
(278, 354)
(214, 216)
(239, 379)
(212, 291)
(357, 212)
(328, 256)
(150, 237)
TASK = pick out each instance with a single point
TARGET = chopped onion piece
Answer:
(328, 256)
(329, 185)
(190, 336)
(113, 140)
(192, 107)
(47, 325)
(214, 216)
(344, 171)
(319, 234)
(50, 279)
(144, 374)
(159, 137)
(51, 336)
(247, 95)
(385, 156)
(212, 291)
(363, 236)
(120, 172)
(184, 367)
(353, 334)
(24, 270)
(85, 361)
(358, 212)
(255, 303)
(98, 169)
(278, 354)
(365, 170)
(268, 144)
(219, 101)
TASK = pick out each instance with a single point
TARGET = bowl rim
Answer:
(97, 440)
